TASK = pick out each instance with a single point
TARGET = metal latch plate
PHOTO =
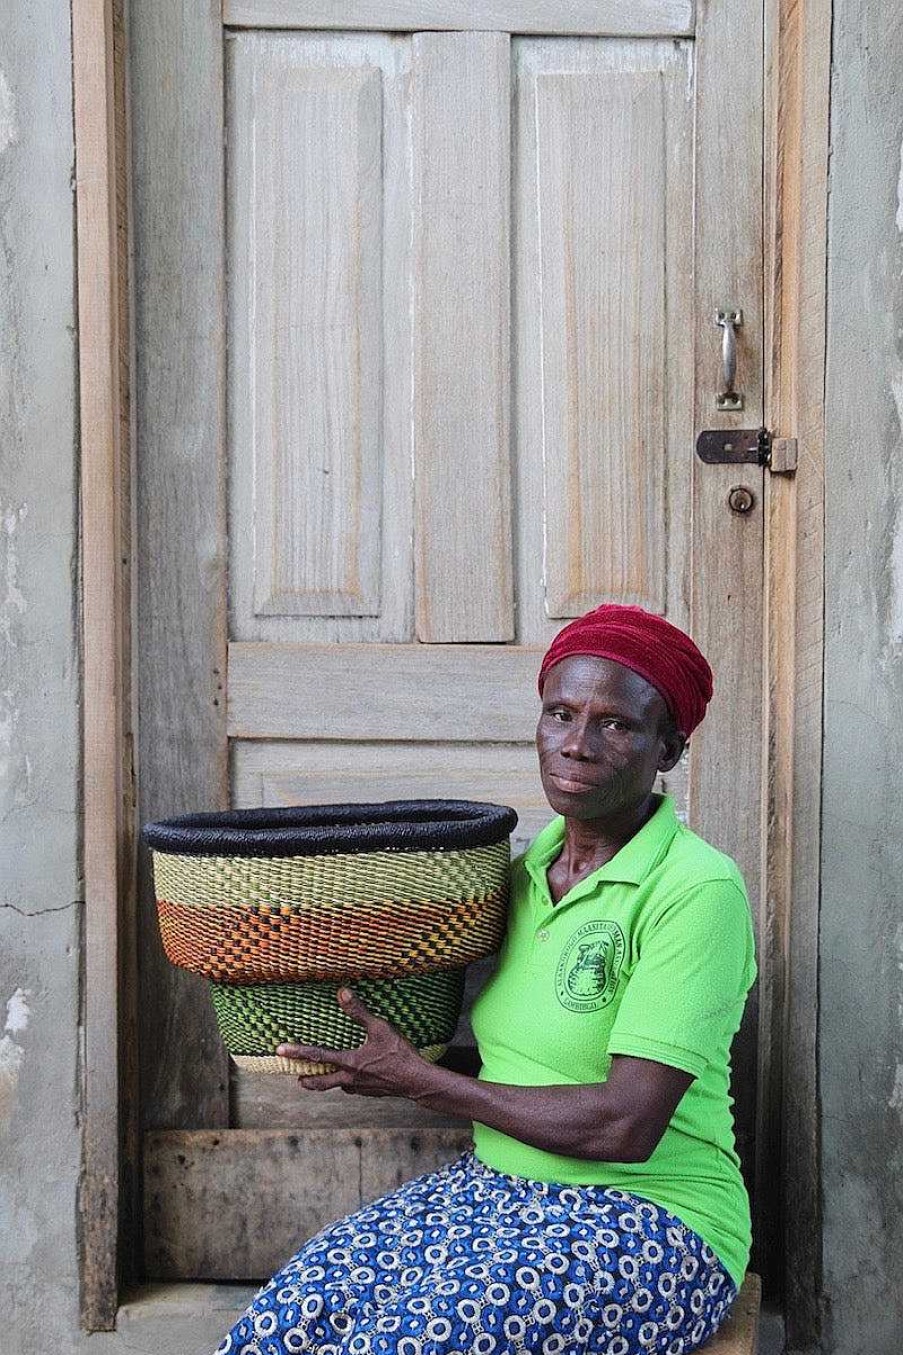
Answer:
(746, 446)
(733, 446)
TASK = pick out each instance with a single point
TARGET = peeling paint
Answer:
(13, 604)
(896, 1096)
(895, 1100)
(18, 1011)
(895, 619)
(897, 388)
(11, 1056)
(896, 555)
(9, 128)
(15, 766)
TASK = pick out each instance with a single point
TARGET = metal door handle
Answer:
(728, 321)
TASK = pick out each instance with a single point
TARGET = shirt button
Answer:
(542, 934)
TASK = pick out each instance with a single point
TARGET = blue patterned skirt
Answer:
(467, 1261)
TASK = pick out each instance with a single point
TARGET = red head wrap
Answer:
(648, 644)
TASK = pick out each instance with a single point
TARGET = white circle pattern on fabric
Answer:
(468, 1261)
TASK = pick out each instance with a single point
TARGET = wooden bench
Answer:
(739, 1334)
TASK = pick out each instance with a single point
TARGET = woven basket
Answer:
(338, 892)
(255, 1018)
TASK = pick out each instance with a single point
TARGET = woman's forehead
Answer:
(588, 677)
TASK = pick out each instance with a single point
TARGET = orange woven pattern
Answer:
(261, 944)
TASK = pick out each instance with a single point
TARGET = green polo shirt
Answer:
(652, 955)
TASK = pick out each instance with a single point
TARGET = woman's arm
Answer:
(619, 1120)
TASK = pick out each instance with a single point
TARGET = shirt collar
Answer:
(630, 865)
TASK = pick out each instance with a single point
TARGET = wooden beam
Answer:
(484, 693)
(176, 72)
(103, 395)
(600, 18)
(726, 576)
(798, 50)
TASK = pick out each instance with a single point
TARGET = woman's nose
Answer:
(576, 744)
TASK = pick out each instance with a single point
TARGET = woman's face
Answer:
(603, 736)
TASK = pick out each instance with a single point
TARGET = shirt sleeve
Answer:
(683, 1002)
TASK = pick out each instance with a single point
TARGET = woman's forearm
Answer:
(618, 1120)
(576, 1121)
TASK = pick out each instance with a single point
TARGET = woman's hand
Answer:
(386, 1064)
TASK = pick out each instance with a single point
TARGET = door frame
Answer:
(797, 82)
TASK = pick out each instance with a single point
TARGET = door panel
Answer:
(318, 387)
(466, 308)
(305, 278)
(603, 285)
(461, 150)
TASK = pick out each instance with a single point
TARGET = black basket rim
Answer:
(318, 830)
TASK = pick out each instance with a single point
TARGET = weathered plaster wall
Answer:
(39, 686)
(861, 963)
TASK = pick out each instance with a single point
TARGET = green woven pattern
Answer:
(342, 880)
(255, 1018)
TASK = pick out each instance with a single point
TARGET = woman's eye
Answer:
(560, 715)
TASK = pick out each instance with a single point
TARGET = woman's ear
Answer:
(673, 743)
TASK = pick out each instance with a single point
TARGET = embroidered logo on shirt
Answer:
(590, 964)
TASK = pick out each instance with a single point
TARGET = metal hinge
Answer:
(747, 446)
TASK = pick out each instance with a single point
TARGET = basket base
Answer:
(274, 1063)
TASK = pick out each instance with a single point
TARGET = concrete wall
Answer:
(39, 686)
(861, 950)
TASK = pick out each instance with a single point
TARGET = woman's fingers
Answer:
(352, 1006)
(350, 1064)
(324, 1082)
(312, 1053)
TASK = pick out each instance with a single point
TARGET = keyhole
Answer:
(741, 499)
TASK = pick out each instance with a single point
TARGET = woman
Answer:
(602, 1209)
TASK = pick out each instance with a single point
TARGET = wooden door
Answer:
(425, 331)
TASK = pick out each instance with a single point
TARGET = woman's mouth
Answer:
(572, 784)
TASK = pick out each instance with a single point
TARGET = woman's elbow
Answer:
(624, 1141)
